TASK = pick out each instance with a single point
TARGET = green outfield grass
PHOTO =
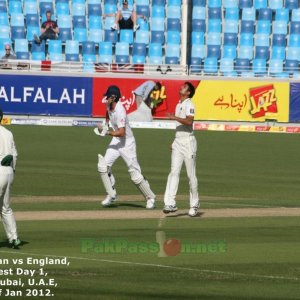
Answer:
(245, 167)
(260, 259)
(235, 170)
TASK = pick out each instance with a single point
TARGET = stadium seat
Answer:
(279, 27)
(158, 24)
(45, 6)
(31, 31)
(231, 26)
(95, 35)
(158, 11)
(64, 21)
(72, 50)
(158, 37)
(21, 48)
(265, 14)
(210, 66)
(142, 37)
(139, 53)
(195, 65)
(294, 40)
(275, 4)
(291, 4)
(174, 2)
(110, 36)
(54, 46)
(38, 51)
(62, 8)
(214, 26)
(198, 25)
(78, 9)
(291, 66)
(88, 48)
(199, 51)
(95, 22)
(32, 20)
(232, 13)
(214, 3)
(197, 38)
(173, 37)
(246, 39)
(30, 7)
(94, 9)
(260, 4)
(249, 14)
(296, 15)
(275, 66)
(65, 34)
(278, 53)
(144, 25)
(38, 56)
(143, 10)
(293, 53)
(245, 52)
(105, 52)
(142, 2)
(3, 7)
(230, 39)
(173, 24)
(126, 36)
(110, 8)
(199, 12)
(259, 66)
(229, 51)
(263, 26)
(295, 27)
(158, 2)
(242, 65)
(17, 32)
(122, 53)
(262, 52)
(17, 19)
(172, 54)
(279, 40)
(245, 3)
(213, 39)
(247, 26)
(80, 34)
(214, 13)
(282, 14)
(3, 19)
(262, 40)
(14, 7)
(226, 65)
(79, 22)
(230, 3)
(214, 51)
(155, 53)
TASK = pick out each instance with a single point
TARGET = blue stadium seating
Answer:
(226, 65)
(173, 24)
(295, 27)
(213, 39)
(230, 3)
(198, 25)
(210, 66)
(94, 9)
(214, 51)
(17, 32)
(291, 4)
(199, 12)
(30, 7)
(21, 48)
(172, 54)
(122, 53)
(32, 20)
(31, 31)
(155, 53)
(65, 34)
(245, 52)
(245, 3)
(197, 38)
(276, 4)
(282, 14)
(80, 34)
(294, 40)
(279, 40)
(262, 52)
(173, 37)
(214, 25)
(143, 10)
(247, 26)
(262, 40)
(79, 22)
(263, 26)
(247, 39)
(278, 53)
(62, 8)
(231, 26)
(215, 13)
(158, 37)
(249, 14)
(291, 66)
(265, 14)
(110, 36)
(3, 7)
(260, 4)
(158, 12)
(232, 13)
(230, 39)
(95, 35)
(229, 51)
(105, 52)
(259, 66)
(199, 51)
(139, 53)
(126, 36)
(214, 3)
(14, 7)
(242, 65)
(72, 50)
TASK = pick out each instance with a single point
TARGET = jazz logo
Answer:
(263, 101)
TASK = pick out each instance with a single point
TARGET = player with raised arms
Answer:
(122, 144)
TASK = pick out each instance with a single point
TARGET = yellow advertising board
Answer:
(252, 101)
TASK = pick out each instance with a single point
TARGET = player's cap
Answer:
(113, 90)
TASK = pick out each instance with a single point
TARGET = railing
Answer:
(90, 67)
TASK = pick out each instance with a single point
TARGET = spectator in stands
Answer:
(8, 55)
(126, 18)
(144, 91)
(49, 30)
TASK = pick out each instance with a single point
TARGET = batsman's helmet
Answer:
(113, 91)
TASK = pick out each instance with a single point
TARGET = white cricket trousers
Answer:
(8, 219)
(183, 150)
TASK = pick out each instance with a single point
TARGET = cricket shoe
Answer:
(108, 201)
(15, 243)
(150, 204)
(193, 211)
(169, 209)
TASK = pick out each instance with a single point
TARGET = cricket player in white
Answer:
(184, 149)
(8, 158)
(122, 144)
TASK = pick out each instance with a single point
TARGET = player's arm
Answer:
(117, 133)
(188, 120)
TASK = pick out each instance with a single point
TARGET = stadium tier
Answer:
(230, 37)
